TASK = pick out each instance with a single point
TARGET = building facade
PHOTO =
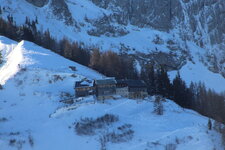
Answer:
(105, 88)
(134, 89)
(84, 88)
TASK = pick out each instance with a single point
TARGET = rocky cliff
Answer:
(201, 21)
(102, 22)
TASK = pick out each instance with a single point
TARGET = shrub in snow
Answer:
(66, 95)
(209, 124)
(158, 106)
(73, 68)
(158, 40)
(31, 140)
(57, 78)
(22, 69)
(123, 133)
(170, 147)
(16, 143)
(74, 75)
(88, 126)
(3, 119)
(12, 142)
(19, 83)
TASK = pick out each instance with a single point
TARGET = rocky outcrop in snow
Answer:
(60, 9)
(39, 3)
(198, 21)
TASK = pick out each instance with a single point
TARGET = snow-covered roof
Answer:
(105, 81)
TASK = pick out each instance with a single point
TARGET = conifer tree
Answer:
(179, 91)
(1, 58)
(209, 124)
(151, 80)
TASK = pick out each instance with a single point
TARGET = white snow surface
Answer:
(143, 37)
(29, 102)
(195, 71)
(137, 40)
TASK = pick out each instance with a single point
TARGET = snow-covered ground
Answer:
(143, 37)
(138, 39)
(31, 116)
(195, 71)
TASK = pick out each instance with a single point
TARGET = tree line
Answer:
(29, 32)
(108, 63)
(196, 96)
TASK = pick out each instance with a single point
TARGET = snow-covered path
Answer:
(11, 66)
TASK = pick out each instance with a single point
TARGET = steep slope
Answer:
(95, 27)
(13, 56)
(156, 29)
(196, 71)
(31, 116)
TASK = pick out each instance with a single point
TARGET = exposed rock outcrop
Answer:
(200, 21)
(38, 3)
(60, 9)
(149, 13)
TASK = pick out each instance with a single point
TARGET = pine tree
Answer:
(151, 80)
(27, 21)
(158, 106)
(163, 85)
(1, 58)
(179, 91)
(36, 20)
(10, 19)
(209, 124)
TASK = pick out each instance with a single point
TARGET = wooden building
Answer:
(135, 89)
(84, 88)
(105, 88)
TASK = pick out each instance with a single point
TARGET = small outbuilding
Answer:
(84, 88)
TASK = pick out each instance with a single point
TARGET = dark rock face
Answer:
(38, 3)
(60, 9)
(201, 21)
(103, 26)
(143, 13)
(211, 16)
(207, 21)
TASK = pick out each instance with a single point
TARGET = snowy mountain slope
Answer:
(27, 55)
(12, 59)
(87, 11)
(195, 71)
(159, 32)
(89, 24)
(31, 116)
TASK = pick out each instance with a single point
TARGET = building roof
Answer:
(83, 84)
(131, 83)
(105, 81)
